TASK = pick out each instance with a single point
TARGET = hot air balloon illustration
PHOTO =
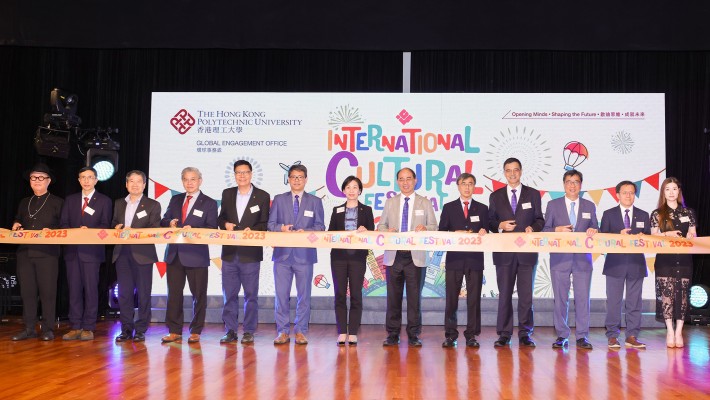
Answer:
(320, 281)
(574, 154)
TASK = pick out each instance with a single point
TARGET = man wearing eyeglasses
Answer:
(571, 214)
(86, 209)
(38, 264)
(244, 208)
(294, 211)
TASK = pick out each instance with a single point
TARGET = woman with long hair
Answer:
(673, 271)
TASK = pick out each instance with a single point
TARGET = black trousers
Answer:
(197, 280)
(474, 284)
(506, 276)
(403, 273)
(134, 278)
(346, 272)
(38, 275)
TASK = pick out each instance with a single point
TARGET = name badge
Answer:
(340, 210)
(527, 206)
(141, 214)
(91, 211)
(419, 212)
(586, 215)
(474, 218)
(684, 218)
(197, 213)
(254, 209)
(639, 224)
(308, 214)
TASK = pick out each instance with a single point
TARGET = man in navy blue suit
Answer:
(86, 209)
(571, 214)
(192, 209)
(620, 269)
(294, 211)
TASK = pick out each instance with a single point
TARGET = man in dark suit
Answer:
(294, 211)
(404, 212)
(464, 215)
(134, 262)
(571, 214)
(87, 209)
(192, 209)
(38, 264)
(515, 208)
(244, 208)
(620, 269)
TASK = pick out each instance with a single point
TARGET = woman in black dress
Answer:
(348, 265)
(673, 271)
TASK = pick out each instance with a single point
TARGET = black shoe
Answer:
(526, 341)
(46, 336)
(124, 336)
(472, 342)
(414, 341)
(24, 335)
(247, 338)
(229, 337)
(502, 341)
(448, 342)
(584, 344)
(391, 341)
(559, 343)
(139, 337)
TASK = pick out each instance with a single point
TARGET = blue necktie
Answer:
(627, 220)
(295, 208)
(572, 215)
(405, 215)
(514, 201)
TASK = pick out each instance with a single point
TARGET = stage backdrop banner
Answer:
(608, 137)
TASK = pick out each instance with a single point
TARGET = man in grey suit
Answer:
(571, 214)
(620, 269)
(406, 211)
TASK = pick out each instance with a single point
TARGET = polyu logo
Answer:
(182, 121)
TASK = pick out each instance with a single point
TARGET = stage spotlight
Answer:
(63, 113)
(699, 305)
(105, 162)
(52, 142)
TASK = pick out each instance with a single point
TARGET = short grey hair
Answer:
(190, 169)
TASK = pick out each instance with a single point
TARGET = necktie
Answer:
(295, 208)
(465, 209)
(572, 215)
(627, 220)
(405, 215)
(86, 204)
(514, 201)
(185, 207)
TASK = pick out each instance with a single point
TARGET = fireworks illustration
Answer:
(529, 147)
(622, 142)
(344, 115)
(543, 280)
(257, 175)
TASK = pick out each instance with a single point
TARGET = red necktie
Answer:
(465, 209)
(185, 206)
(86, 204)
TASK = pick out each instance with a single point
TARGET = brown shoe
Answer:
(282, 338)
(87, 335)
(74, 334)
(613, 343)
(171, 337)
(194, 338)
(301, 338)
(631, 341)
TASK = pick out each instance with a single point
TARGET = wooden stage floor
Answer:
(321, 370)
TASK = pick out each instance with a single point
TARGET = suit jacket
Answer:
(72, 218)
(191, 255)
(422, 213)
(452, 219)
(557, 215)
(282, 214)
(499, 210)
(255, 217)
(337, 223)
(142, 253)
(47, 217)
(625, 265)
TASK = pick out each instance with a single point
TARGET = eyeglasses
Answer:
(242, 172)
(627, 193)
(38, 178)
(297, 177)
(87, 178)
(573, 183)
